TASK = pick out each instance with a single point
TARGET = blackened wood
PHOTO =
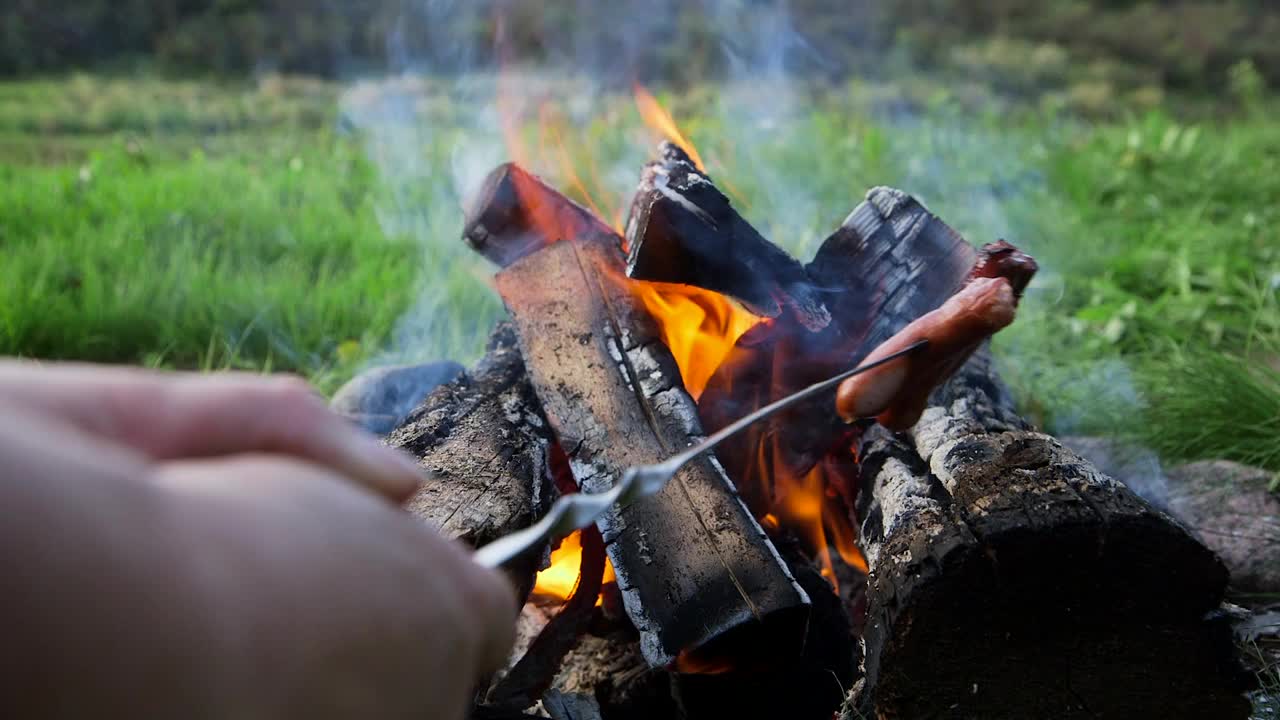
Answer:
(571, 706)
(682, 229)
(515, 213)
(697, 574)
(1009, 578)
(811, 688)
(891, 259)
(484, 444)
(533, 673)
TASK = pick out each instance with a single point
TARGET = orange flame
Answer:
(808, 505)
(699, 326)
(657, 118)
(560, 577)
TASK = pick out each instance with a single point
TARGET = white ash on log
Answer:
(698, 577)
(682, 229)
(1011, 579)
(485, 446)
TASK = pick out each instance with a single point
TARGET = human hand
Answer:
(224, 546)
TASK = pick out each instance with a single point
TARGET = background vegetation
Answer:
(1184, 44)
(186, 205)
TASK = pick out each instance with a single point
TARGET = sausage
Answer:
(896, 394)
(1002, 259)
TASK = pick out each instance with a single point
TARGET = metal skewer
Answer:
(575, 511)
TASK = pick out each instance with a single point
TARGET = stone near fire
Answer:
(1231, 509)
(380, 398)
(1227, 505)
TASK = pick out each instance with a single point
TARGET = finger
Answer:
(490, 595)
(178, 415)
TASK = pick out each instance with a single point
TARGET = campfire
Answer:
(963, 565)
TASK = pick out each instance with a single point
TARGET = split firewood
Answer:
(682, 229)
(515, 213)
(485, 446)
(697, 574)
(533, 674)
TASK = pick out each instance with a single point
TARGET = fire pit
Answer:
(969, 567)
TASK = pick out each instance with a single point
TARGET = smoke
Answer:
(435, 126)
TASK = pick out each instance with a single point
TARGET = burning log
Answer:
(515, 213)
(1009, 578)
(682, 229)
(535, 671)
(485, 445)
(890, 259)
(699, 578)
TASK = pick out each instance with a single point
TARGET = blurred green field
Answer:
(299, 225)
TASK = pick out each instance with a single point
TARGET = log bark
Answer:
(699, 578)
(515, 213)
(682, 229)
(1010, 579)
(485, 444)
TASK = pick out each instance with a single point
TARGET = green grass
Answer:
(294, 225)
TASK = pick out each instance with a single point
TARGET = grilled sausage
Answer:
(896, 394)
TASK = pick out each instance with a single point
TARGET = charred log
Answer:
(682, 229)
(811, 688)
(1009, 578)
(698, 577)
(533, 673)
(890, 260)
(485, 446)
(515, 213)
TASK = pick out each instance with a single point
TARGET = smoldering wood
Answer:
(607, 664)
(1009, 578)
(890, 259)
(571, 706)
(813, 687)
(682, 229)
(515, 213)
(533, 674)
(485, 445)
(697, 574)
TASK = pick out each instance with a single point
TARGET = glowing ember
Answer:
(561, 576)
(699, 326)
(656, 117)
